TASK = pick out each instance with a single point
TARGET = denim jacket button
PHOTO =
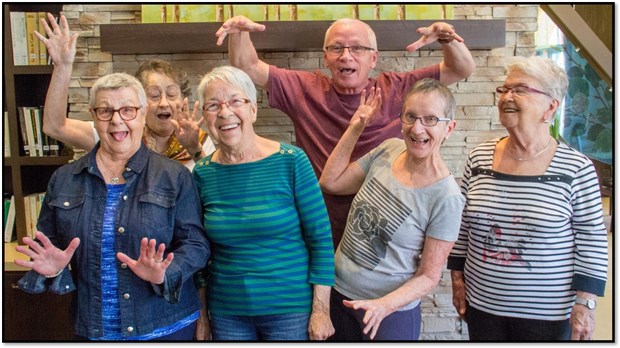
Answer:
(121, 230)
(125, 197)
(129, 328)
(123, 265)
(126, 296)
(66, 204)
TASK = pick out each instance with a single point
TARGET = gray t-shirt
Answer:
(387, 224)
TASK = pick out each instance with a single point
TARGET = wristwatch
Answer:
(590, 304)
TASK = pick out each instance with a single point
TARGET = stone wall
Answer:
(477, 116)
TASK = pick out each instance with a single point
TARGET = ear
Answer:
(551, 109)
(254, 110)
(375, 59)
(450, 128)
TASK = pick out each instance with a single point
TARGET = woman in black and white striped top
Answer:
(532, 252)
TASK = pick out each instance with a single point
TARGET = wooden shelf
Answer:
(284, 36)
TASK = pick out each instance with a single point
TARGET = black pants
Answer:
(483, 326)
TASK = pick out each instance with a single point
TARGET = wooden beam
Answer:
(284, 36)
(584, 38)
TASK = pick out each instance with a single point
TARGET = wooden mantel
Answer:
(284, 36)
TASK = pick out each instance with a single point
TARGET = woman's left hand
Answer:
(369, 106)
(376, 310)
(151, 265)
(187, 129)
(320, 327)
(581, 323)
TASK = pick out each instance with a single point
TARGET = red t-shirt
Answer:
(320, 116)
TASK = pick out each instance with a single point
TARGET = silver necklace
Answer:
(115, 180)
(531, 158)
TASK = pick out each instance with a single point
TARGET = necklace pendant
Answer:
(114, 181)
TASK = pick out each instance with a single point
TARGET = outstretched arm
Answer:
(340, 176)
(61, 47)
(241, 51)
(458, 62)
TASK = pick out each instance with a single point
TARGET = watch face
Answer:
(590, 304)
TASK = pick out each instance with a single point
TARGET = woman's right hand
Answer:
(45, 258)
(369, 106)
(60, 43)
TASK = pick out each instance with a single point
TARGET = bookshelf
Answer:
(24, 85)
(27, 317)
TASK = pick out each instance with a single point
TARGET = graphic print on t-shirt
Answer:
(374, 217)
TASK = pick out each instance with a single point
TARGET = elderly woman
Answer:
(406, 200)
(532, 252)
(169, 129)
(128, 220)
(272, 267)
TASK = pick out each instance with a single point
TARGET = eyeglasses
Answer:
(154, 94)
(231, 104)
(520, 90)
(428, 121)
(127, 113)
(356, 50)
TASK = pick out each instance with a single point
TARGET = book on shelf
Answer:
(42, 48)
(18, 38)
(32, 208)
(31, 39)
(9, 219)
(7, 140)
(36, 143)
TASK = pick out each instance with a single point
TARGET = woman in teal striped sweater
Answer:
(272, 264)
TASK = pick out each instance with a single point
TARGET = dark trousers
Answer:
(483, 326)
(398, 326)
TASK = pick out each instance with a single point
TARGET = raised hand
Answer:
(434, 32)
(45, 258)
(187, 129)
(369, 106)
(150, 265)
(235, 25)
(60, 43)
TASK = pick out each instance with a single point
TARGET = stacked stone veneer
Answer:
(477, 116)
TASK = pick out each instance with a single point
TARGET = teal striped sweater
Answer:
(269, 231)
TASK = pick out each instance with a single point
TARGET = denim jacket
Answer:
(160, 202)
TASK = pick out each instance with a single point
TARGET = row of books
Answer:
(32, 208)
(35, 142)
(27, 48)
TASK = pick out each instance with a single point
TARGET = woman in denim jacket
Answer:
(128, 221)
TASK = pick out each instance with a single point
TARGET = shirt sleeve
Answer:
(315, 223)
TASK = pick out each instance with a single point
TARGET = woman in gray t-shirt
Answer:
(406, 202)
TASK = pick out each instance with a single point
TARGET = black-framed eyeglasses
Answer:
(356, 50)
(127, 113)
(520, 90)
(428, 121)
(231, 104)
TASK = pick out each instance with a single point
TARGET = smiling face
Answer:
(424, 142)
(349, 73)
(119, 137)
(524, 110)
(232, 127)
(164, 99)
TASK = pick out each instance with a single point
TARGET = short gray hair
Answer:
(231, 75)
(427, 86)
(117, 81)
(544, 70)
(372, 38)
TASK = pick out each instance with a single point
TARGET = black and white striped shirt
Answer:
(528, 242)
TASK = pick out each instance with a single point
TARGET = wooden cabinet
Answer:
(24, 86)
(33, 317)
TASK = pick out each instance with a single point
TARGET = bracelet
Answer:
(54, 275)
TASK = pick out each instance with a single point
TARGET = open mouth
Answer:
(119, 136)
(420, 141)
(164, 115)
(346, 71)
(228, 127)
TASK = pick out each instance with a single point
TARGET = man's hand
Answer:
(434, 32)
(235, 25)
